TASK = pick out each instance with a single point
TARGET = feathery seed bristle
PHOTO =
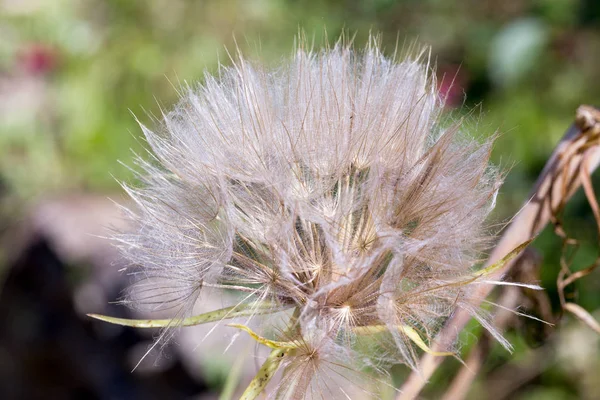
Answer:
(327, 186)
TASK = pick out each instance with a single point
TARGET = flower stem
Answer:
(265, 373)
(273, 361)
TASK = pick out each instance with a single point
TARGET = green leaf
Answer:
(243, 310)
(264, 341)
(499, 264)
(411, 333)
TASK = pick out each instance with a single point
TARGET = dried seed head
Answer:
(327, 186)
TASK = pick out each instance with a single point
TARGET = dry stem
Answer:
(526, 270)
(463, 380)
(558, 181)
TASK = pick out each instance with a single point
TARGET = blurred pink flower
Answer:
(37, 59)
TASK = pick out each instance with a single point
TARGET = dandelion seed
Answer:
(327, 187)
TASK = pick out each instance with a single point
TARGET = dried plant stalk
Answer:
(526, 268)
(566, 277)
(510, 299)
(559, 180)
(462, 382)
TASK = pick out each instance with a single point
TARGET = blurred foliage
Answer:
(73, 71)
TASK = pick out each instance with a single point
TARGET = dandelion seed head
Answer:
(327, 185)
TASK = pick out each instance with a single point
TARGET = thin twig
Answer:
(461, 384)
(527, 269)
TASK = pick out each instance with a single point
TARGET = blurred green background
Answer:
(72, 72)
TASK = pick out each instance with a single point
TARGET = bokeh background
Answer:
(72, 73)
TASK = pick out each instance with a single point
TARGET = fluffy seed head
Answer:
(327, 186)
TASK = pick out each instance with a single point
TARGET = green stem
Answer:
(264, 375)
(271, 364)
(232, 379)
